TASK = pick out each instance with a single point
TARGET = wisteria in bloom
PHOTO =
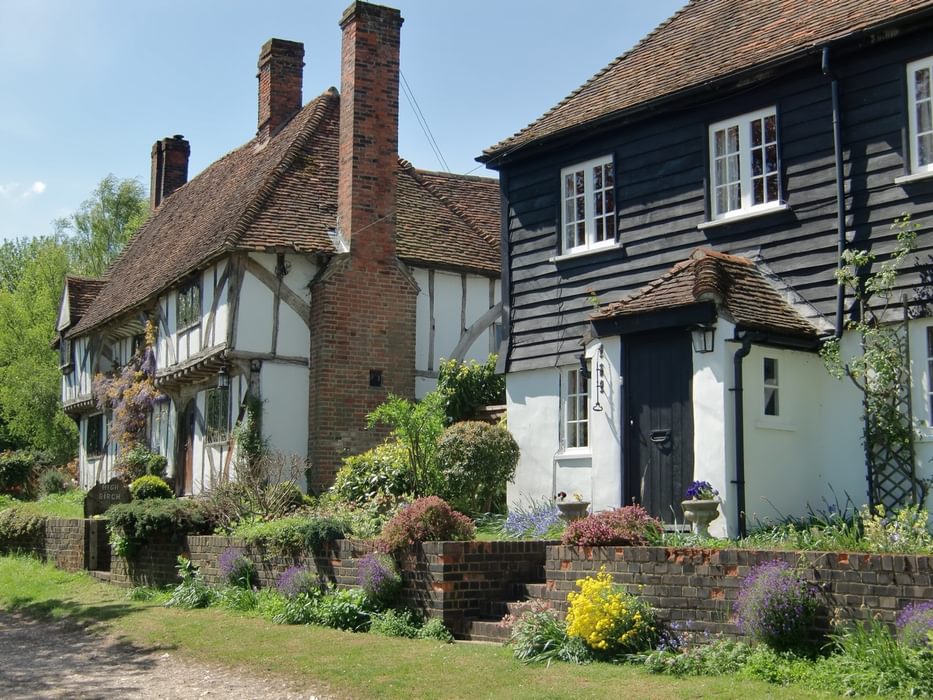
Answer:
(130, 394)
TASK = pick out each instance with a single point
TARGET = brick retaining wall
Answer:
(68, 543)
(154, 564)
(698, 587)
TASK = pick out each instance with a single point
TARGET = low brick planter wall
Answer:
(698, 587)
(68, 543)
(154, 564)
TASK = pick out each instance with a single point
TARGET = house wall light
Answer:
(703, 338)
(223, 377)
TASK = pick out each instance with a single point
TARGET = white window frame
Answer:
(591, 217)
(571, 405)
(928, 389)
(772, 388)
(916, 167)
(745, 203)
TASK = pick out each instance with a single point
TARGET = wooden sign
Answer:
(102, 496)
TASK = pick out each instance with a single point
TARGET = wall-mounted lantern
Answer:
(703, 337)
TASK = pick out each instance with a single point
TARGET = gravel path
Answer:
(40, 659)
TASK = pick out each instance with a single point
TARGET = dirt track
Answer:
(58, 660)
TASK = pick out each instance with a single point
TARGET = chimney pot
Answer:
(169, 168)
(280, 74)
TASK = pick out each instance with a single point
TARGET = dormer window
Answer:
(743, 157)
(588, 205)
(188, 309)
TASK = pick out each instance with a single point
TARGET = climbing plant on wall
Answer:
(881, 371)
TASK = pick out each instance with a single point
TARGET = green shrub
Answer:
(138, 522)
(236, 598)
(20, 522)
(379, 472)
(468, 387)
(396, 623)
(17, 471)
(139, 461)
(366, 521)
(716, 658)
(343, 609)
(150, 486)
(297, 610)
(476, 461)
(425, 520)
(192, 592)
(904, 530)
(52, 482)
(538, 636)
(435, 629)
(292, 535)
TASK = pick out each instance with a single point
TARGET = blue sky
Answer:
(87, 87)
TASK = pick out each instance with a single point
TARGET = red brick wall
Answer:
(363, 307)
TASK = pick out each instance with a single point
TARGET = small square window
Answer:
(744, 172)
(771, 387)
(588, 206)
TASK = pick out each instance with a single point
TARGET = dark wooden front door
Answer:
(659, 411)
(184, 470)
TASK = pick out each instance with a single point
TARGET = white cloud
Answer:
(38, 187)
(9, 190)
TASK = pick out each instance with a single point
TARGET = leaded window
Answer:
(218, 407)
(188, 309)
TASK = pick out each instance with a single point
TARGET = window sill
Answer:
(775, 424)
(914, 177)
(574, 458)
(743, 216)
(563, 257)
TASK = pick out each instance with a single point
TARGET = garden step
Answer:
(487, 631)
(536, 590)
(100, 575)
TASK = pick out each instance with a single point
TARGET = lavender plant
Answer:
(775, 606)
(915, 625)
(379, 578)
(296, 580)
(534, 519)
(236, 568)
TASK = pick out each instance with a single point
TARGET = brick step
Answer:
(536, 590)
(100, 575)
(498, 608)
(490, 631)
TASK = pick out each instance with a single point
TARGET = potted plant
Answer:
(701, 507)
(572, 509)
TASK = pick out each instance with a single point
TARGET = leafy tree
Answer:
(416, 425)
(30, 383)
(104, 223)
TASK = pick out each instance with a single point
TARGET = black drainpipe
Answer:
(739, 480)
(840, 190)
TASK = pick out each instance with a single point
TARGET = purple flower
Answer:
(701, 491)
(236, 568)
(296, 580)
(379, 578)
(775, 606)
(915, 624)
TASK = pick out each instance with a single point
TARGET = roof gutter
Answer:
(840, 189)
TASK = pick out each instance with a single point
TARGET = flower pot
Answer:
(700, 514)
(573, 510)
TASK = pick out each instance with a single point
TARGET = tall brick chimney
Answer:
(363, 310)
(169, 168)
(280, 66)
(369, 130)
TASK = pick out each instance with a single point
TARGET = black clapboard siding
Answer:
(661, 171)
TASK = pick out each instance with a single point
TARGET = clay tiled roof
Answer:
(81, 292)
(705, 41)
(734, 283)
(282, 193)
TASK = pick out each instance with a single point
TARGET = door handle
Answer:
(659, 436)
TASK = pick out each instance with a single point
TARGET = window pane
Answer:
(756, 132)
(719, 172)
(721, 203)
(770, 368)
(599, 204)
(581, 233)
(610, 202)
(610, 179)
(923, 117)
(771, 401)
(758, 194)
(600, 234)
(770, 159)
(922, 84)
(733, 139)
(772, 181)
(735, 197)
(568, 185)
(581, 209)
(578, 178)
(732, 168)
(610, 227)
(719, 143)
(757, 157)
(925, 149)
(598, 177)
(770, 129)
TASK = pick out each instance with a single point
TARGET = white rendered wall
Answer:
(254, 316)
(285, 408)
(447, 307)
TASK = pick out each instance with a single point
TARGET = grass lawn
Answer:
(349, 665)
(60, 505)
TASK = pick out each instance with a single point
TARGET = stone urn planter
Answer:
(573, 510)
(700, 513)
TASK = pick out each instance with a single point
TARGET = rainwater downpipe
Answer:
(840, 190)
(739, 480)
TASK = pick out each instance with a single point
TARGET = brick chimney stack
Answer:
(169, 168)
(368, 152)
(280, 66)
